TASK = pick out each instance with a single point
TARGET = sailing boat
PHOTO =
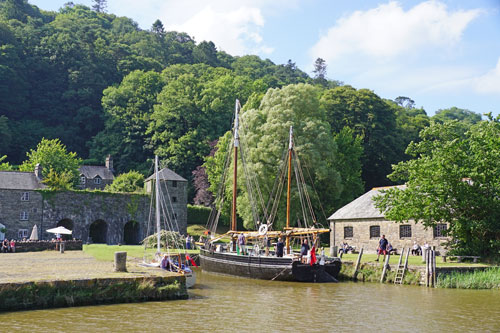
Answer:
(171, 261)
(266, 264)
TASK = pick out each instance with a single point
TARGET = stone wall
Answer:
(80, 211)
(361, 235)
(71, 245)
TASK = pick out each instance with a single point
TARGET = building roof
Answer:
(91, 171)
(17, 180)
(167, 174)
(362, 207)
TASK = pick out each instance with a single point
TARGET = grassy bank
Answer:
(372, 273)
(487, 279)
(412, 260)
(40, 295)
(107, 252)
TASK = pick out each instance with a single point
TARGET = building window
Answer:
(22, 233)
(82, 180)
(174, 183)
(440, 230)
(25, 196)
(404, 231)
(374, 231)
(23, 216)
(348, 232)
(174, 199)
(97, 180)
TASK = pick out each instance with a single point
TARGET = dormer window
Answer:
(97, 180)
(25, 196)
(83, 180)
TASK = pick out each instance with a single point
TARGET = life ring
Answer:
(263, 229)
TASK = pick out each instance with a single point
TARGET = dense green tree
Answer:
(206, 53)
(454, 178)
(455, 113)
(375, 121)
(5, 166)
(59, 181)
(264, 133)
(131, 181)
(54, 158)
(99, 5)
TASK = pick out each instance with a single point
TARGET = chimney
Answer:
(109, 163)
(38, 171)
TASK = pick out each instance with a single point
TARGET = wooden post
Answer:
(434, 268)
(358, 262)
(406, 259)
(401, 257)
(61, 247)
(384, 271)
(120, 261)
(427, 267)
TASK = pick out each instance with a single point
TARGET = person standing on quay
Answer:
(382, 247)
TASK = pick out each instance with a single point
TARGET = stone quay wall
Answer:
(361, 235)
(33, 246)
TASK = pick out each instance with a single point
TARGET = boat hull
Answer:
(268, 268)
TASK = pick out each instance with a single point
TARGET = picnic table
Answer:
(459, 258)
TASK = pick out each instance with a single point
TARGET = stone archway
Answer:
(68, 224)
(131, 233)
(98, 232)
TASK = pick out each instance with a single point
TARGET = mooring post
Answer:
(427, 268)
(358, 262)
(61, 247)
(401, 257)
(384, 270)
(434, 268)
(120, 261)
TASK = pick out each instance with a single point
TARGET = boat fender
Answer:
(263, 230)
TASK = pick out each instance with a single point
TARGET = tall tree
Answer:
(453, 179)
(99, 5)
(158, 29)
(320, 72)
(455, 113)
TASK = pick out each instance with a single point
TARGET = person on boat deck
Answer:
(241, 243)
(165, 263)
(280, 246)
(188, 242)
(303, 250)
(382, 247)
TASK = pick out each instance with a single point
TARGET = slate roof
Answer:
(91, 171)
(167, 174)
(17, 180)
(362, 207)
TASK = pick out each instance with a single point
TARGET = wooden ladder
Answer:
(400, 270)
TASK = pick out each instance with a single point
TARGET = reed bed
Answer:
(485, 279)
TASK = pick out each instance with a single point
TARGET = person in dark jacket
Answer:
(279, 247)
(382, 247)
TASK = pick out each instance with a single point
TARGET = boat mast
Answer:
(290, 147)
(157, 205)
(235, 158)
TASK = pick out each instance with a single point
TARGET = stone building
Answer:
(361, 224)
(173, 190)
(96, 176)
(98, 217)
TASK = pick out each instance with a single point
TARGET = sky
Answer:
(440, 53)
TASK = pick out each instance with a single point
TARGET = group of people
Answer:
(8, 246)
(190, 242)
(345, 248)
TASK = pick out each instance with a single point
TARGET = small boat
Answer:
(174, 260)
(258, 260)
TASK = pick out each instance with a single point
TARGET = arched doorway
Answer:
(68, 224)
(131, 233)
(98, 232)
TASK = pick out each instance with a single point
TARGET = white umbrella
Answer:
(60, 230)
(34, 233)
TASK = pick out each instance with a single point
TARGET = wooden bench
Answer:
(459, 258)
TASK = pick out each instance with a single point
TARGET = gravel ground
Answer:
(52, 265)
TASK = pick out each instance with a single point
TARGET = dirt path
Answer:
(51, 265)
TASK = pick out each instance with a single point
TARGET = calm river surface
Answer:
(221, 303)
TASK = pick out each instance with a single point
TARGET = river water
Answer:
(222, 303)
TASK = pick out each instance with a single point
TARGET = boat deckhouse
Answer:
(361, 224)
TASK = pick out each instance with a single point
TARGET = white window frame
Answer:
(97, 180)
(24, 216)
(22, 233)
(83, 180)
(25, 196)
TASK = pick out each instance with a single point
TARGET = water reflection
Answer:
(222, 303)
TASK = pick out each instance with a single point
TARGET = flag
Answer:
(191, 260)
(313, 255)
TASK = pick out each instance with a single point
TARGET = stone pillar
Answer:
(120, 261)
(61, 247)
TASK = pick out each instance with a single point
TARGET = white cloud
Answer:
(236, 31)
(389, 31)
(488, 83)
